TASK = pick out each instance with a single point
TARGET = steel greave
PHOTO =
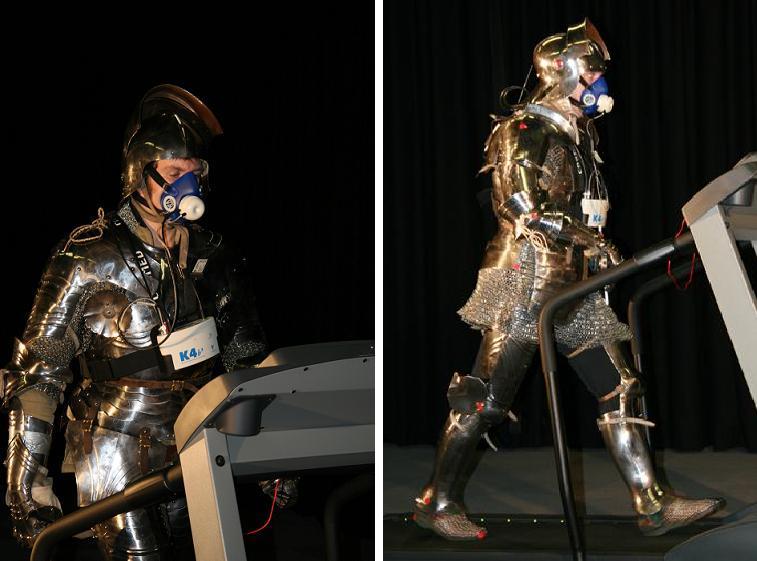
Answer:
(628, 447)
(452, 465)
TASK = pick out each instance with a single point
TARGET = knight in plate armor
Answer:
(153, 306)
(543, 164)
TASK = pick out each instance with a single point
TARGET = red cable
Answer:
(270, 514)
(693, 262)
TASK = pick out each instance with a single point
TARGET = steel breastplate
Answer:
(136, 297)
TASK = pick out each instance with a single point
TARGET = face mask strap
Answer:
(153, 173)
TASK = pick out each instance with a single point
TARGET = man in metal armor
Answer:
(153, 306)
(543, 161)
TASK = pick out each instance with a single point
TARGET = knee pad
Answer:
(470, 395)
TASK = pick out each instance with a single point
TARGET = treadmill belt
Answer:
(536, 538)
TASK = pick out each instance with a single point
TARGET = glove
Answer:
(287, 493)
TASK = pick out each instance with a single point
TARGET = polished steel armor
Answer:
(108, 298)
(540, 159)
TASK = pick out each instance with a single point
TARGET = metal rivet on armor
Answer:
(220, 460)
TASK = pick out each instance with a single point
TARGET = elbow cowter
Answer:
(26, 371)
(519, 208)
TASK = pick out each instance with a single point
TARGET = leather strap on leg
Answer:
(86, 415)
(87, 425)
(171, 454)
(145, 441)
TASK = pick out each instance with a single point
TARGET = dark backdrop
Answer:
(292, 177)
(684, 78)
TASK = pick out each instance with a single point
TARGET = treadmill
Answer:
(303, 408)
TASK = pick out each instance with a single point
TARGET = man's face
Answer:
(170, 170)
(590, 77)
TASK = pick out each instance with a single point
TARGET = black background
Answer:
(292, 177)
(684, 79)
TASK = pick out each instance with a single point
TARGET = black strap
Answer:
(156, 177)
(122, 228)
(128, 365)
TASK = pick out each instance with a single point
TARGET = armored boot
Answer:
(659, 511)
(440, 506)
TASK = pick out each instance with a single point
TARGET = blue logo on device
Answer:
(190, 354)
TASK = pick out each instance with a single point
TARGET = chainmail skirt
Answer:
(502, 301)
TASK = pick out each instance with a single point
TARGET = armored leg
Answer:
(176, 515)
(133, 536)
(622, 430)
(477, 403)
(112, 463)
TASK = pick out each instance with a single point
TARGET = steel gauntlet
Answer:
(30, 497)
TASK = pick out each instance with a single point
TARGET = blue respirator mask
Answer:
(589, 103)
(180, 200)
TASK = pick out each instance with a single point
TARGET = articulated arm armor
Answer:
(239, 331)
(539, 174)
(537, 169)
(32, 386)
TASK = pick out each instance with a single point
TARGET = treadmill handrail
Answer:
(143, 492)
(548, 350)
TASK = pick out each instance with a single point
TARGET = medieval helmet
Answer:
(168, 123)
(560, 60)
